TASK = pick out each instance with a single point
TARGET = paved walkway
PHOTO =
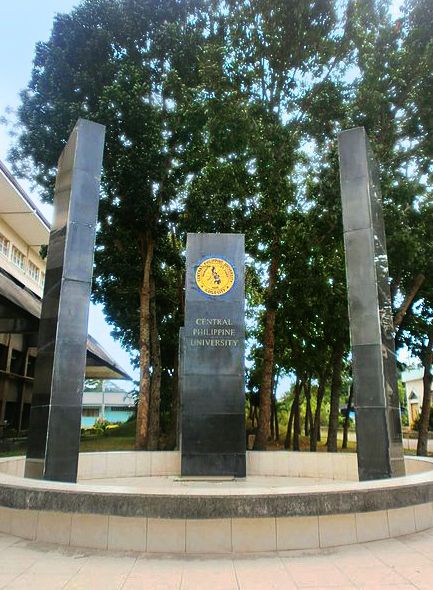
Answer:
(403, 563)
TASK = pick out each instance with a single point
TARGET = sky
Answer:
(22, 24)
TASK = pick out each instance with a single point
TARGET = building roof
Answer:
(24, 217)
(412, 375)
(20, 212)
(99, 364)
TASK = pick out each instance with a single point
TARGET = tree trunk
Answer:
(263, 430)
(155, 388)
(422, 446)
(277, 426)
(173, 435)
(297, 417)
(288, 439)
(347, 418)
(272, 420)
(315, 431)
(144, 388)
(308, 413)
(337, 362)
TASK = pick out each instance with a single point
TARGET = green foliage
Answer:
(223, 117)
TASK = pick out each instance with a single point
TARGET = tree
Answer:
(124, 64)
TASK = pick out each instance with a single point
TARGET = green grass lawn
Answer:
(123, 439)
(107, 443)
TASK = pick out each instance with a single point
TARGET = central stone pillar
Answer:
(212, 363)
(377, 404)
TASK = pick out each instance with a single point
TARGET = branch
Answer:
(399, 316)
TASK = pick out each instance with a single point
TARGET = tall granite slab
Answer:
(213, 352)
(54, 433)
(377, 406)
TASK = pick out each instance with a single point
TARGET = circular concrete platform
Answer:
(136, 501)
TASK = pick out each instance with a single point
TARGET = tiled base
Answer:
(254, 529)
(237, 535)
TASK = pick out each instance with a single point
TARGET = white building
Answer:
(413, 383)
(103, 399)
(23, 230)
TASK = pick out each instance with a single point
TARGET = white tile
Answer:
(89, 530)
(340, 466)
(21, 463)
(251, 463)
(209, 536)
(127, 533)
(401, 521)
(12, 467)
(120, 464)
(371, 526)
(266, 463)
(85, 466)
(309, 465)
(352, 467)
(295, 463)
(54, 527)
(142, 463)
(99, 465)
(165, 535)
(150, 573)
(212, 574)
(337, 529)
(6, 519)
(297, 532)
(423, 516)
(325, 465)
(165, 463)
(253, 534)
(281, 463)
(46, 581)
(24, 523)
(262, 573)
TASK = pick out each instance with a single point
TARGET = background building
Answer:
(23, 232)
(106, 400)
(413, 383)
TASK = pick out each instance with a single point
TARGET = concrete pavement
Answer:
(404, 563)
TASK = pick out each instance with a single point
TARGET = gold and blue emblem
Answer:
(215, 276)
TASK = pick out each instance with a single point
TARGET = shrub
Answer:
(415, 425)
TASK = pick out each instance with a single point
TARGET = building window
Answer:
(31, 360)
(18, 258)
(4, 245)
(33, 271)
(42, 280)
(3, 357)
(17, 362)
(91, 412)
(120, 409)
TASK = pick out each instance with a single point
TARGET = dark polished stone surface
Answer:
(54, 432)
(378, 424)
(212, 364)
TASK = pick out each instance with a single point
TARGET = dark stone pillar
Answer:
(212, 365)
(377, 406)
(54, 434)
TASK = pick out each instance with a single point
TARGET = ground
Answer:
(403, 563)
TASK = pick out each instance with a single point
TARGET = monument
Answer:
(377, 405)
(212, 363)
(54, 433)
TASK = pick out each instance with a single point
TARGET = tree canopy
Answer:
(223, 116)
